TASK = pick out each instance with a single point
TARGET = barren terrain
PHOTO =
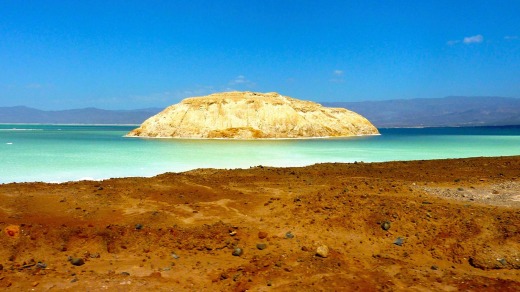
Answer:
(442, 225)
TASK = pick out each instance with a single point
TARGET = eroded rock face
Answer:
(250, 115)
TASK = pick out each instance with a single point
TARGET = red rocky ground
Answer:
(451, 225)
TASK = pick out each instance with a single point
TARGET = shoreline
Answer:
(87, 179)
(256, 139)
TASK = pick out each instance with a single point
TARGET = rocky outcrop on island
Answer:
(250, 115)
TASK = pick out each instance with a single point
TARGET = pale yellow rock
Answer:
(322, 251)
(251, 115)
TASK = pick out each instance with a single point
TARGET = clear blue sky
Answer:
(136, 54)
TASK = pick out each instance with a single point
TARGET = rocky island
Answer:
(251, 115)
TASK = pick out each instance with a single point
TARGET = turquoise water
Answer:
(57, 153)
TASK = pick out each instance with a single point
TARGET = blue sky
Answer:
(137, 54)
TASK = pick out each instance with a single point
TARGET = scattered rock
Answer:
(76, 261)
(399, 241)
(237, 251)
(322, 251)
(95, 255)
(269, 283)
(12, 231)
(261, 246)
(502, 261)
(41, 265)
(289, 235)
(262, 234)
(385, 225)
(224, 276)
(138, 226)
(175, 256)
(304, 248)
(125, 273)
(434, 267)
(233, 233)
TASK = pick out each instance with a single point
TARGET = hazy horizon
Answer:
(116, 55)
(320, 102)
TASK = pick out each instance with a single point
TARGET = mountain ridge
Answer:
(450, 111)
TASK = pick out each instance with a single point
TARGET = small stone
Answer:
(385, 225)
(237, 251)
(261, 246)
(224, 276)
(156, 275)
(502, 261)
(237, 276)
(34, 284)
(95, 255)
(1, 267)
(125, 273)
(233, 233)
(76, 261)
(289, 235)
(304, 248)
(269, 283)
(322, 251)
(175, 256)
(74, 280)
(434, 267)
(262, 234)
(399, 241)
(138, 226)
(41, 265)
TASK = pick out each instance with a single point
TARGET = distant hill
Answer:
(452, 111)
(22, 114)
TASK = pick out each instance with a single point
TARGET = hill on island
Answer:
(252, 115)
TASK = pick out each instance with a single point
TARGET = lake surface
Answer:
(57, 153)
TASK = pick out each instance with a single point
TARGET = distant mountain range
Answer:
(27, 115)
(453, 111)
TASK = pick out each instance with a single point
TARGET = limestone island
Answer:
(252, 115)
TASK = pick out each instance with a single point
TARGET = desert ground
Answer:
(440, 225)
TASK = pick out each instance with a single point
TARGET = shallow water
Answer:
(57, 153)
